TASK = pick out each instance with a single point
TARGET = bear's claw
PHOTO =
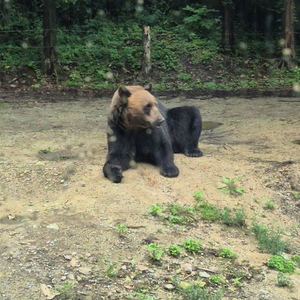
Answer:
(169, 171)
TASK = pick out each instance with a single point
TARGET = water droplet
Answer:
(286, 51)
(132, 163)
(24, 45)
(89, 44)
(112, 138)
(243, 45)
(281, 42)
(101, 12)
(109, 75)
(296, 87)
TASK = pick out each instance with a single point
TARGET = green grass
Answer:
(269, 240)
(196, 292)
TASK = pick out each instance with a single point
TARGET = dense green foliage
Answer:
(99, 43)
(281, 264)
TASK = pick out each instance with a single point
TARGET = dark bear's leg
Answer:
(113, 172)
(120, 155)
(185, 127)
(165, 157)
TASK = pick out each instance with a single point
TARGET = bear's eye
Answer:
(147, 109)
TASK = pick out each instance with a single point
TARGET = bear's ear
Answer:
(148, 87)
(124, 95)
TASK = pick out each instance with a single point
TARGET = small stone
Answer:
(169, 287)
(184, 285)
(84, 271)
(63, 278)
(187, 268)
(53, 226)
(204, 275)
(71, 276)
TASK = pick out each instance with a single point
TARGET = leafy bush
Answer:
(196, 292)
(155, 251)
(192, 246)
(284, 280)
(174, 250)
(227, 253)
(269, 240)
(281, 264)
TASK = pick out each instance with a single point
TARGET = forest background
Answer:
(214, 45)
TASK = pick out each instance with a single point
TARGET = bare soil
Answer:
(58, 214)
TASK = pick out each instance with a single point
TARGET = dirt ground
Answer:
(58, 214)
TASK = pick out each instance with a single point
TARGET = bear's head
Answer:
(136, 108)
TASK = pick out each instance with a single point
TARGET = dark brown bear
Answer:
(140, 128)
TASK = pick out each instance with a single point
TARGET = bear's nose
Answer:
(159, 121)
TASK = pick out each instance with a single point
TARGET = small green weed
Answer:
(155, 209)
(122, 229)
(269, 204)
(237, 220)
(66, 291)
(141, 296)
(227, 253)
(111, 271)
(215, 279)
(236, 282)
(174, 251)
(199, 195)
(192, 246)
(230, 186)
(296, 259)
(196, 292)
(208, 211)
(45, 151)
(154, 250)
(269, 240)
(297, 195)
(281, 264)
(284, 280)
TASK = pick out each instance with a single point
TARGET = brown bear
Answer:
(141, 128)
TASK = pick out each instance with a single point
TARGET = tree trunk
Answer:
(49, 40)
(228, 32)
(146, 48)
(288, 44)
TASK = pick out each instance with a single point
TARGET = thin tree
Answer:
(228, 31)
(49, 38)
(288, 40)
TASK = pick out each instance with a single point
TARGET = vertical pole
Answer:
(146, 48)
(49, 37)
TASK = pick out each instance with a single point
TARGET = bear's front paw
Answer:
(193, 152)
(113, 172)
(169, 171)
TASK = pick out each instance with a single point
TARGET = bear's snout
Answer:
(158, 122)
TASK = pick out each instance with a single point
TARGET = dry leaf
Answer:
(73, 262)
